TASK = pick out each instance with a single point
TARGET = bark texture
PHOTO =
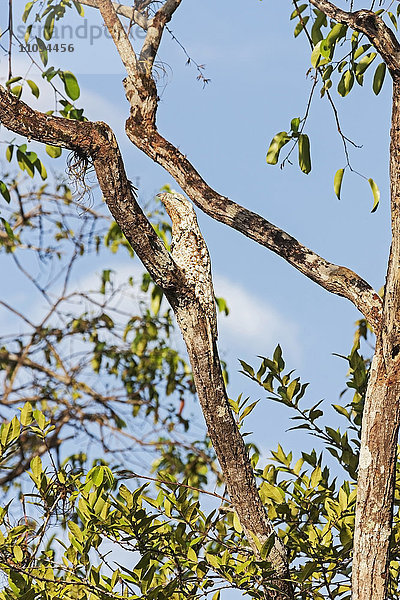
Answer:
(96, 142)
(228, 443)
(381, 418)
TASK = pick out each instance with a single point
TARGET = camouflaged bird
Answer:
(190, 253)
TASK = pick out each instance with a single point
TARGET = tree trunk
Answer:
(376, 477)
(377, 467)
(229, 445)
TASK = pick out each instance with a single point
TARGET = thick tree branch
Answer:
(119, 36)
(373, 26)
(336, 279)
(381, 418)
(155, 31)
(141, 129)
(381, 415)
(96, 142)
(126, 11)
(228, 442)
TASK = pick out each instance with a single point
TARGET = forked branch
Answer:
(373, 26)
(97, 142)
(142, 131)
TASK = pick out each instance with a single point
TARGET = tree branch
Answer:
(119, 36)
(126, 11)
(155, 30)
(373, 26)
(336, 279)
(96, 141)
(141, 93)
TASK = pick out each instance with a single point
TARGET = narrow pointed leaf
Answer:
(277, 143)
(379, 78)
(337, 182)
(304, 153)
(376, 193)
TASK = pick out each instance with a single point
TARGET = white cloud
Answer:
(252, 323)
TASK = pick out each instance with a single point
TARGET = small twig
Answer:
(10, 36)
(131, 475)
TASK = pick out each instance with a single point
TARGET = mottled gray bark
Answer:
(97, 142)
(381, 418)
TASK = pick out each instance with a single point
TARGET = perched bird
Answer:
(190, 253)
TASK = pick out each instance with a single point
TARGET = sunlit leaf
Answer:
(346, 83)
(53, 151)
(277, 143)
(42, 51)
(304, 153)
(70, 85)
(376, 193)
(4, 192)
(337, 182)
(34, 88)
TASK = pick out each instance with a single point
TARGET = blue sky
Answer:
(258, 84)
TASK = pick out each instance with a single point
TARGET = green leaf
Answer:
(300, 26)
(42, 51)
(8, 229)
(37, 467)
(70, 85)
(41, 169)
(53, 151)
(341, 410)
(79, 8)
(307, 570)
(393, 19)
(273, 492)
(4, 192)
(9, 152)
(298, 11)
(364, 63)
(248, 409)
(294, 124)
(18, 554)
(13, 80)
(320, 54)
(27, 10)
(222, 306)
(376, 193)
(277, 143)
(213, 560)
(236, 523)
(304, 153)
(17, 91)
(360, 50)
(49, 25)
(346, 83)
(338, 31)
(26, 414)
(34, 88)
(337, 182)
(40, 419)
(192, 556)
(24, 162)
(315, 477)
(247, 368)
(75, 530)
(379, 77)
